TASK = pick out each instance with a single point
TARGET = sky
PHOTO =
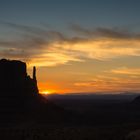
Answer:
(78, 46)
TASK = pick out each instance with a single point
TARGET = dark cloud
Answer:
(34, 31)
(15, 54)
(114, 33)
(8, 43)
(30, 37)
(79, 29)
(32, 43)
(26, 42)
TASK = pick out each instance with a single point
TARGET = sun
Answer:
(45, 92)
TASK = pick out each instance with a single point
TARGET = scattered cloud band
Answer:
(44, 47)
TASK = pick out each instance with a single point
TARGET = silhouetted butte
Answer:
(19, 98)
(17, 89)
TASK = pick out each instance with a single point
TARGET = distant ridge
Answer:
(136, 100)
(93, 96)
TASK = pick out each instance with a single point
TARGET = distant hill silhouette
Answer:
(136, 100)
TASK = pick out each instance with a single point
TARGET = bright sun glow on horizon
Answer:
(46, 92)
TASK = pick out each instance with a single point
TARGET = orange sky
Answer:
(77, 46)
(101, 65)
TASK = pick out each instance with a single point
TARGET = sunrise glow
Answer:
(45, 92)
(75, 53)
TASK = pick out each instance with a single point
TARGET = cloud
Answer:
(114, 33)
(34, 31)
(126, 71)
(44, 47)
(109, 84)
(100, 49)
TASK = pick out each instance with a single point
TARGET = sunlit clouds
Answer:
(43, 47)
(111, 84)
(49, 48)
(61, 52)
(101, 49)
(126, 71)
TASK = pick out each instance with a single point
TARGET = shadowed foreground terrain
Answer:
(25, 114)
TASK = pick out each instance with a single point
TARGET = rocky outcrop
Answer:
(18, 91)
(14, 80)
(19, 98)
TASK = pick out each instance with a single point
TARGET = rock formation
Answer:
(14, 80)
(19, 98)
(17, 90)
